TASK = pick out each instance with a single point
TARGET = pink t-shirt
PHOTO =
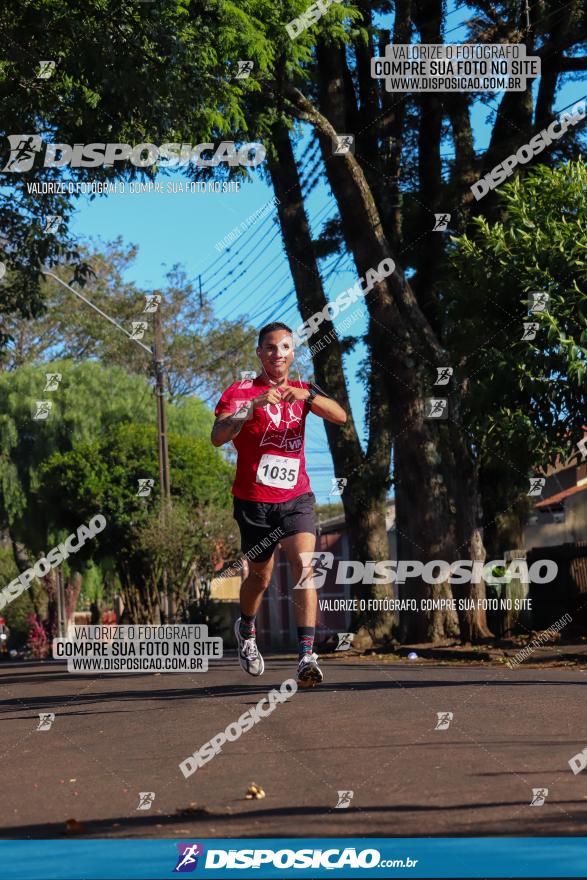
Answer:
(270, 463)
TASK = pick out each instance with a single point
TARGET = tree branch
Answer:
(396, 284)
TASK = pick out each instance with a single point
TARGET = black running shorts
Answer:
(263, 524)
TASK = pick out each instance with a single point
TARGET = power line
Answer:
(256, 282)
(245, 255)
(253, 229)
(319, 218)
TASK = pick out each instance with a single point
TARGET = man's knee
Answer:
(302, 565)
(261, 576)
(303, 575)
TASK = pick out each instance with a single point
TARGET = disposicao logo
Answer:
(25, 150)
(329, 859)
(187, 859)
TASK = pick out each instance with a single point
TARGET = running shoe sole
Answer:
(239, 641)
(311, 678)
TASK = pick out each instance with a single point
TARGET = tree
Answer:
(125, 73)
(386, 194)
(103, 475)
(202, 362)
(16, 614)
(189, 543)
(525, 400)
(435, 464)
(366, 472)
(91, 403)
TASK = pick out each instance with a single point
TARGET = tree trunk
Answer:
(396, 314)
(421, 536)
(50, 582)
(425, 516)
(506, 508)
(560, 32)
(432, 196)
(368, 480)
(392, 131)
(72, 592)
(23, 561)
(472, 620)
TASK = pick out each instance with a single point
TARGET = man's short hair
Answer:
(269, 328)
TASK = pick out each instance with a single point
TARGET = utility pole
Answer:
(60, 595)
(164, 477)
(156, 353)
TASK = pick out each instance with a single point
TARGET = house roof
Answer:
(333, 524)
(560, 496)
(338, 523)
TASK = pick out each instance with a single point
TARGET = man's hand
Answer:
(228, 425)
(290, 394)
(270, 396)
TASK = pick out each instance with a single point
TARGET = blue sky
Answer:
(176, 227)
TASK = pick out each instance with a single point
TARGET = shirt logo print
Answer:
(284, 428)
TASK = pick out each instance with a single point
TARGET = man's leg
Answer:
(252, 589)
(251, 593)
(305, 600)
(298, 550)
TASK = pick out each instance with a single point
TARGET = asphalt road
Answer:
(370, 729)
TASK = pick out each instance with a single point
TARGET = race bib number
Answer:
(275, 470)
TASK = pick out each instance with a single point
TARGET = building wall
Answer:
(550, 529)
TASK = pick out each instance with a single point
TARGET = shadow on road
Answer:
(251, 690)
(145, 825)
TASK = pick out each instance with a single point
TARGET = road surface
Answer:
(369, 729)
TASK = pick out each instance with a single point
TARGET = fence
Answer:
(568, 591)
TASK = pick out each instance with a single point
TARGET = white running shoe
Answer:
(248, 653)
(309, 673)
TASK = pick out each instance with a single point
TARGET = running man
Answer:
(265, 418)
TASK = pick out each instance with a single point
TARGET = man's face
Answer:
(276, 352)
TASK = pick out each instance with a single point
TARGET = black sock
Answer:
(247, 626)
(305, 639)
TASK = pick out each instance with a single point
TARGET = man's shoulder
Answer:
(240, 391)
(238, 388)
(230, 389)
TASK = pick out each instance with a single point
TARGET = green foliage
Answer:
(92, 585)
(88, 456)
(136, 72)
(202, 363)
(90, 404)
(133, 72)
(102, 476)
(8, 569)
(16, 613)
(526, 399)
(90, 399)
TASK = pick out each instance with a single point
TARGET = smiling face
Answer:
(276, 353)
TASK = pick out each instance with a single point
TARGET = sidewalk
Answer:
(497, 652)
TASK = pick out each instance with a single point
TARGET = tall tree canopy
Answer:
(178, 84)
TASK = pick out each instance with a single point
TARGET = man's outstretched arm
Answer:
(319, 404)
(225, 428)
(328, 409)
(228, 425)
